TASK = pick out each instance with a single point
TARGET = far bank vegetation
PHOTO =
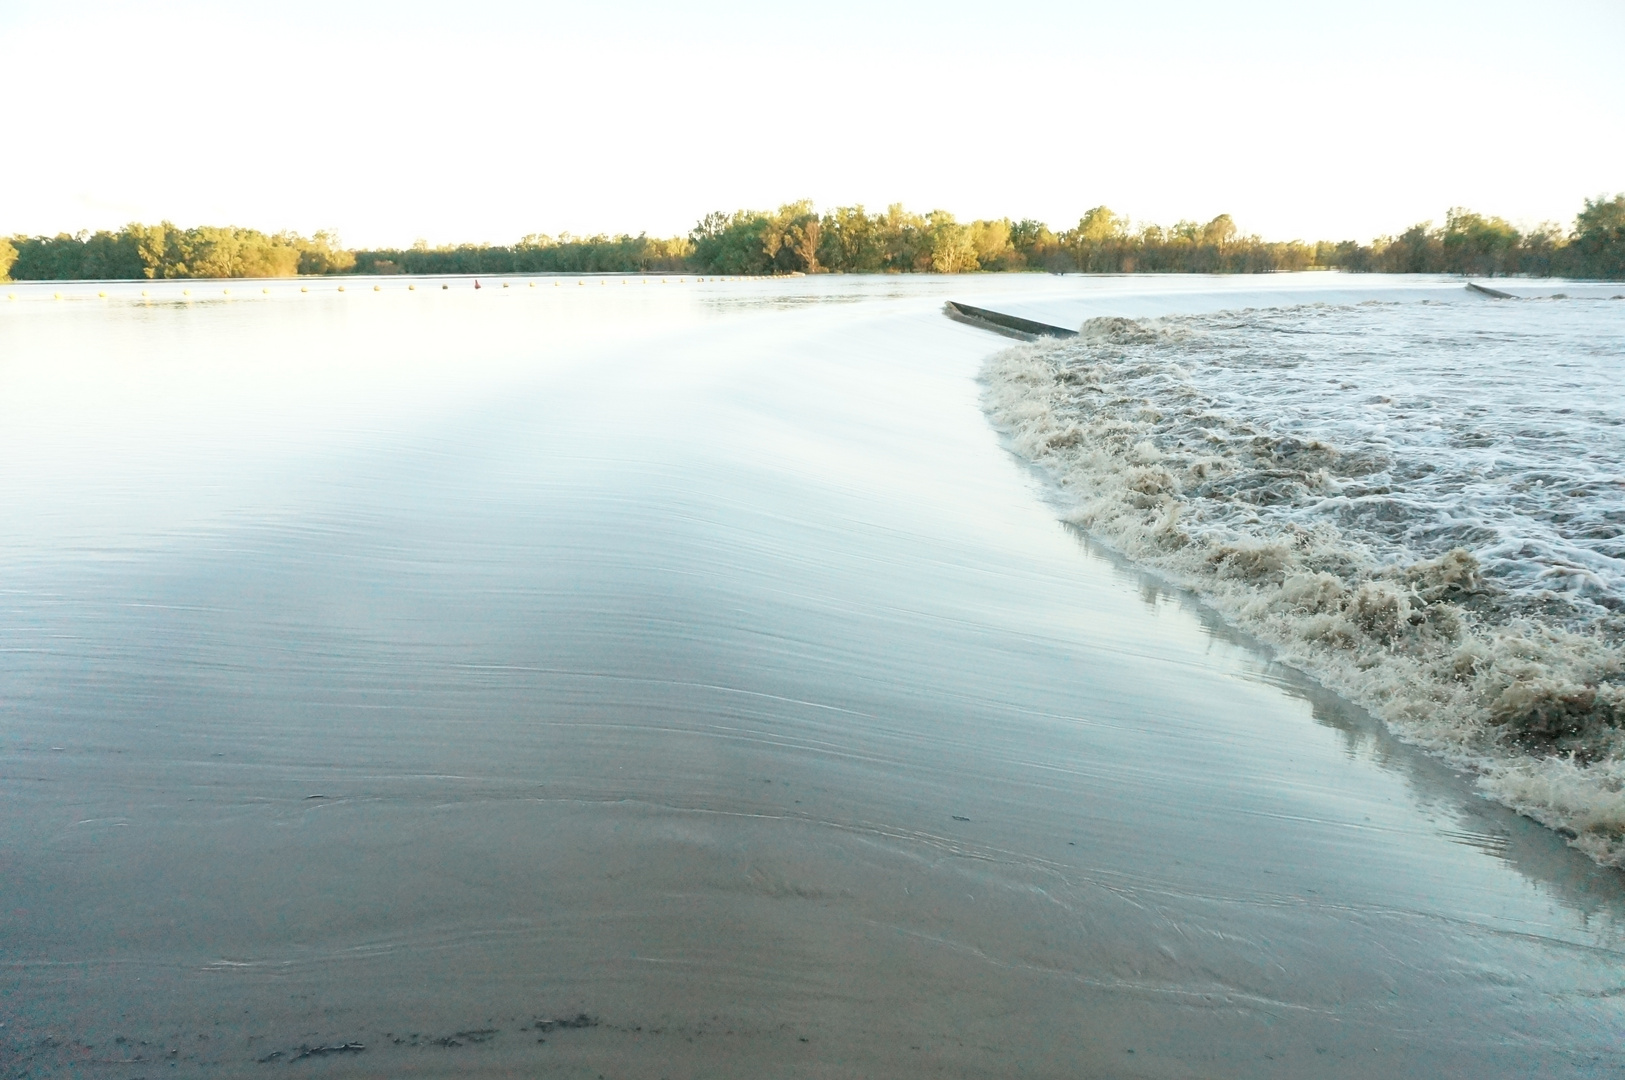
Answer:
(798, 238)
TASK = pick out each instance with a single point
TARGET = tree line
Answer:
(797, 238)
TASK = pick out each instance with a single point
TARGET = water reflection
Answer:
(1596, 893)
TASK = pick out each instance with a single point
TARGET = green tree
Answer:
(1101, 225)
(1097, 241)
(726, 243)
(1219, 232)
(851, 241)
(991, 241)
(1599, 239)
(322, 253)
(953, 249)
(151, 246)
(1417, 250)
(1475, 244)
(48, 258)
(1037, 246)
(905, 240)
(795, 237)
(227, 252)
(791, 238)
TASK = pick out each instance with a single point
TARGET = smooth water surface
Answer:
(403, 669)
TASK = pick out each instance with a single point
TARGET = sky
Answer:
(393, 122)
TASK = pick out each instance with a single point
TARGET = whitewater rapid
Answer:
(1421, 502)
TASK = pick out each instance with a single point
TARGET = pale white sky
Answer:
(482, 122)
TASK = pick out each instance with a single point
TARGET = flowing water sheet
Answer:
(678, 680)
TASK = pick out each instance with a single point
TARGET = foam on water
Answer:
(1423, 504)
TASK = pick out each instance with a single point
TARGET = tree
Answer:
(1599, 239)
(1219, 232)
(772, 235)
(796, 237)
(1036, 245)
(781, 231)
(1477, 245)
(851, 241)
(904, 239)
(1096, 242)
(803, 238)
(991, 242)
(1414, 251)
(151, 246)
(1101, 225)
(731, 243)
(322, 253)
(953, 250)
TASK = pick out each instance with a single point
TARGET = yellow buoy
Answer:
(186, 292)
(555, 284)
(143, 292)
(101, 294)
(304, 288)
(581, 283)
(11, 296)
(225, 292)
(377, 288)
(341, 288)
(411, 288)
(533, 284)
(267, 292)
(504, 284)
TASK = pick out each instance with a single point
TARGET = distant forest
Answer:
(798, 239)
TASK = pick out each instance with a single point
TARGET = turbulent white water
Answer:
(1423, 503)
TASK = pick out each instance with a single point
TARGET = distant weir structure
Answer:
(1000, 323)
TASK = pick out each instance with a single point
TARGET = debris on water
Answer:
(580, 1020)
(458, 1038)
(323, 1051)
(958, 818)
